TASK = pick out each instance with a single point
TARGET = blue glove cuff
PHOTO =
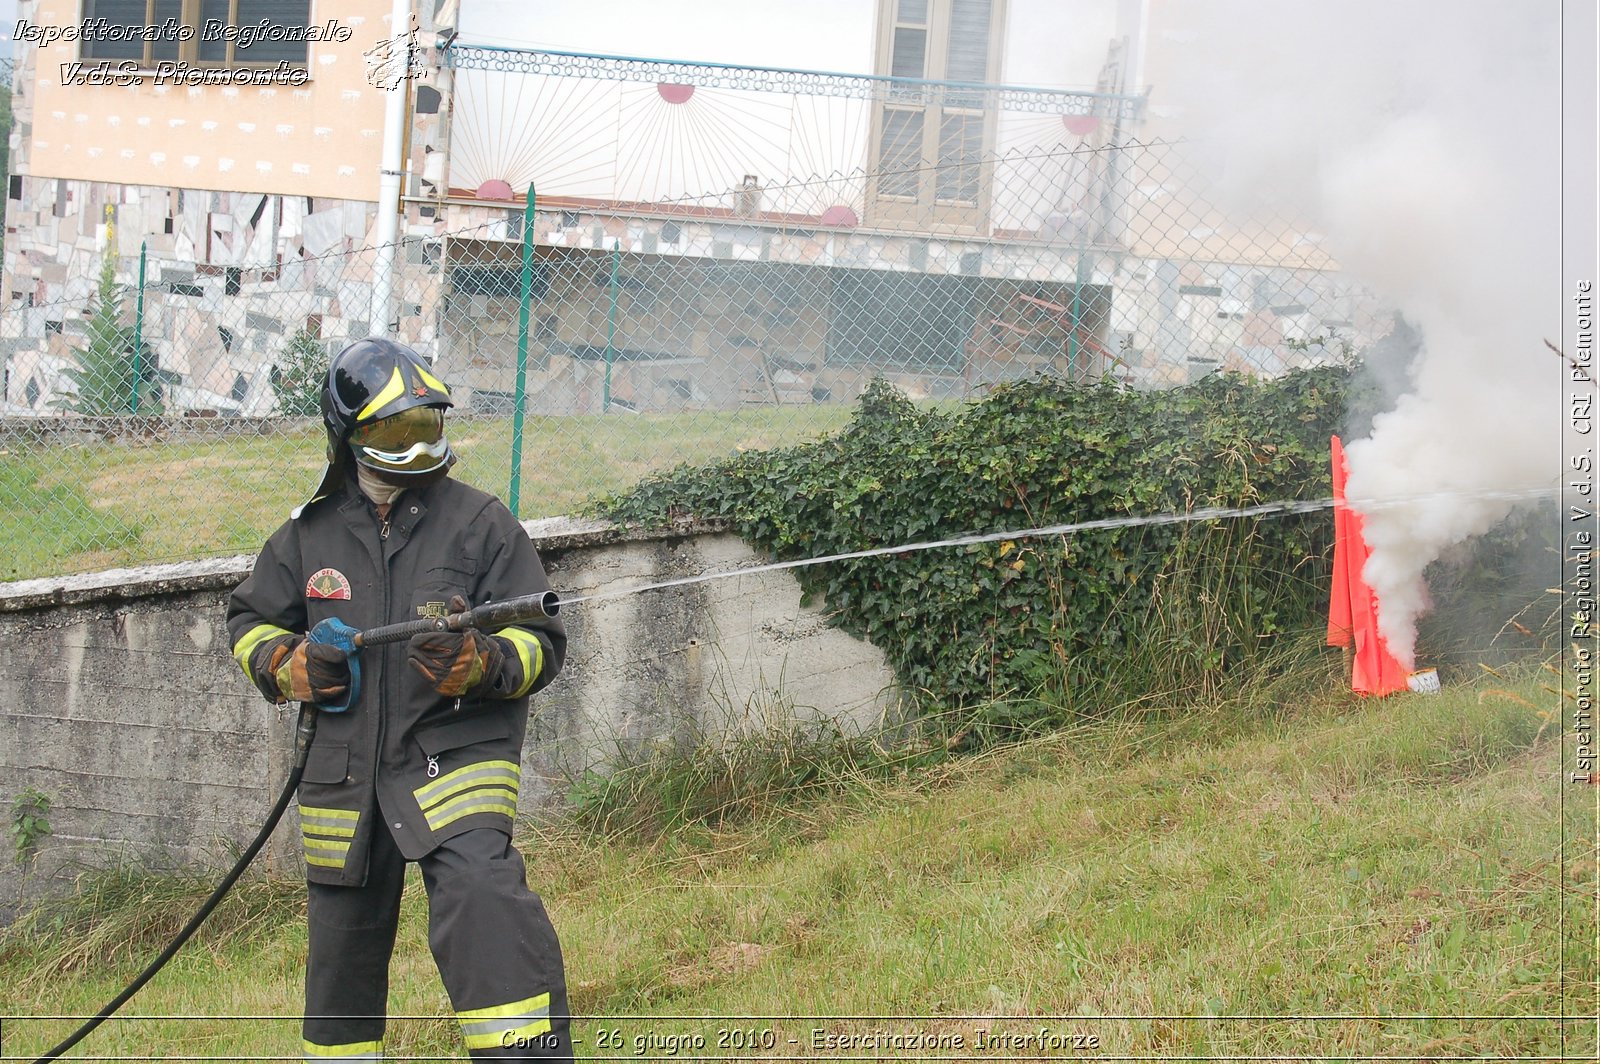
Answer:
(335, 633)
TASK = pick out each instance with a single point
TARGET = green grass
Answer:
(76, 507)
(53, 514)
(1316, 876)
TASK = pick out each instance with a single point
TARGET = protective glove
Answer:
(457, 664)
(310, 672)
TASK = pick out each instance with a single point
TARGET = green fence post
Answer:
(1072, 326)
(611, 326)
(1082, 277)
(138, 329)
(522, 357)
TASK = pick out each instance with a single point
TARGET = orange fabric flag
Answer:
(1352, 607)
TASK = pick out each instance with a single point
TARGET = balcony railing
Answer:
(613, 134)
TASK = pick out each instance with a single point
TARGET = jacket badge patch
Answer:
(328, 584)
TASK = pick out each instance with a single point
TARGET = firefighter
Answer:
(425, 765)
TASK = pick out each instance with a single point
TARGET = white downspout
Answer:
(1139, 79)
(385, 322)
(1133, 26)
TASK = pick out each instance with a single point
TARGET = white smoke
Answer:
(1422, 138)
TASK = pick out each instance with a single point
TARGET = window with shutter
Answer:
(207, 33)
(933, 138)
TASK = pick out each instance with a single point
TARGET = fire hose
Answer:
(350, 641)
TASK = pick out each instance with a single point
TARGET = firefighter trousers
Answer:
(494, 944)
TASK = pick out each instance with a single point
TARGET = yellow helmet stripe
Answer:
(391, 391)
(433, 382)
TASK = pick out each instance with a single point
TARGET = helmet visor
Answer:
(409, 442)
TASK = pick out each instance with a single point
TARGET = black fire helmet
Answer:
(383, 406)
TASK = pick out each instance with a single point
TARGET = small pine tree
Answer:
(298, 375)
(103, 378)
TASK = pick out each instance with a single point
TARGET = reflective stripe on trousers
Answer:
(497, 952)
(339, 1054)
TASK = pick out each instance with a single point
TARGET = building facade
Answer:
(242, 160)
(704, 236)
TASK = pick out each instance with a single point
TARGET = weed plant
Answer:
(123, 915)
(704, 782)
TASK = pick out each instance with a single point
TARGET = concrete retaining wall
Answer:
(120, 702)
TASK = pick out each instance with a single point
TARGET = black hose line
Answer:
(304, 732)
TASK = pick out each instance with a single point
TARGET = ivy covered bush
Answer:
(1042, 624)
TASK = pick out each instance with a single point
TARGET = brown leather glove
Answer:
(309, 672)
(457, 664)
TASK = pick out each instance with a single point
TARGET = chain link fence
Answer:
(163, 406)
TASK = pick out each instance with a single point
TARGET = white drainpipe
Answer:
(384, 318)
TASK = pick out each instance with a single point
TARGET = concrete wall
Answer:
(120, 702)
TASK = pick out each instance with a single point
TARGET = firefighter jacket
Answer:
(431, 767)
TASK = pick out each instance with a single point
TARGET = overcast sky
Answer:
(749, 32)
(805, 34)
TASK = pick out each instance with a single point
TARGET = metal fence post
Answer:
(515, 491)
(1074, 343)
(611, 327)
(138, 328)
